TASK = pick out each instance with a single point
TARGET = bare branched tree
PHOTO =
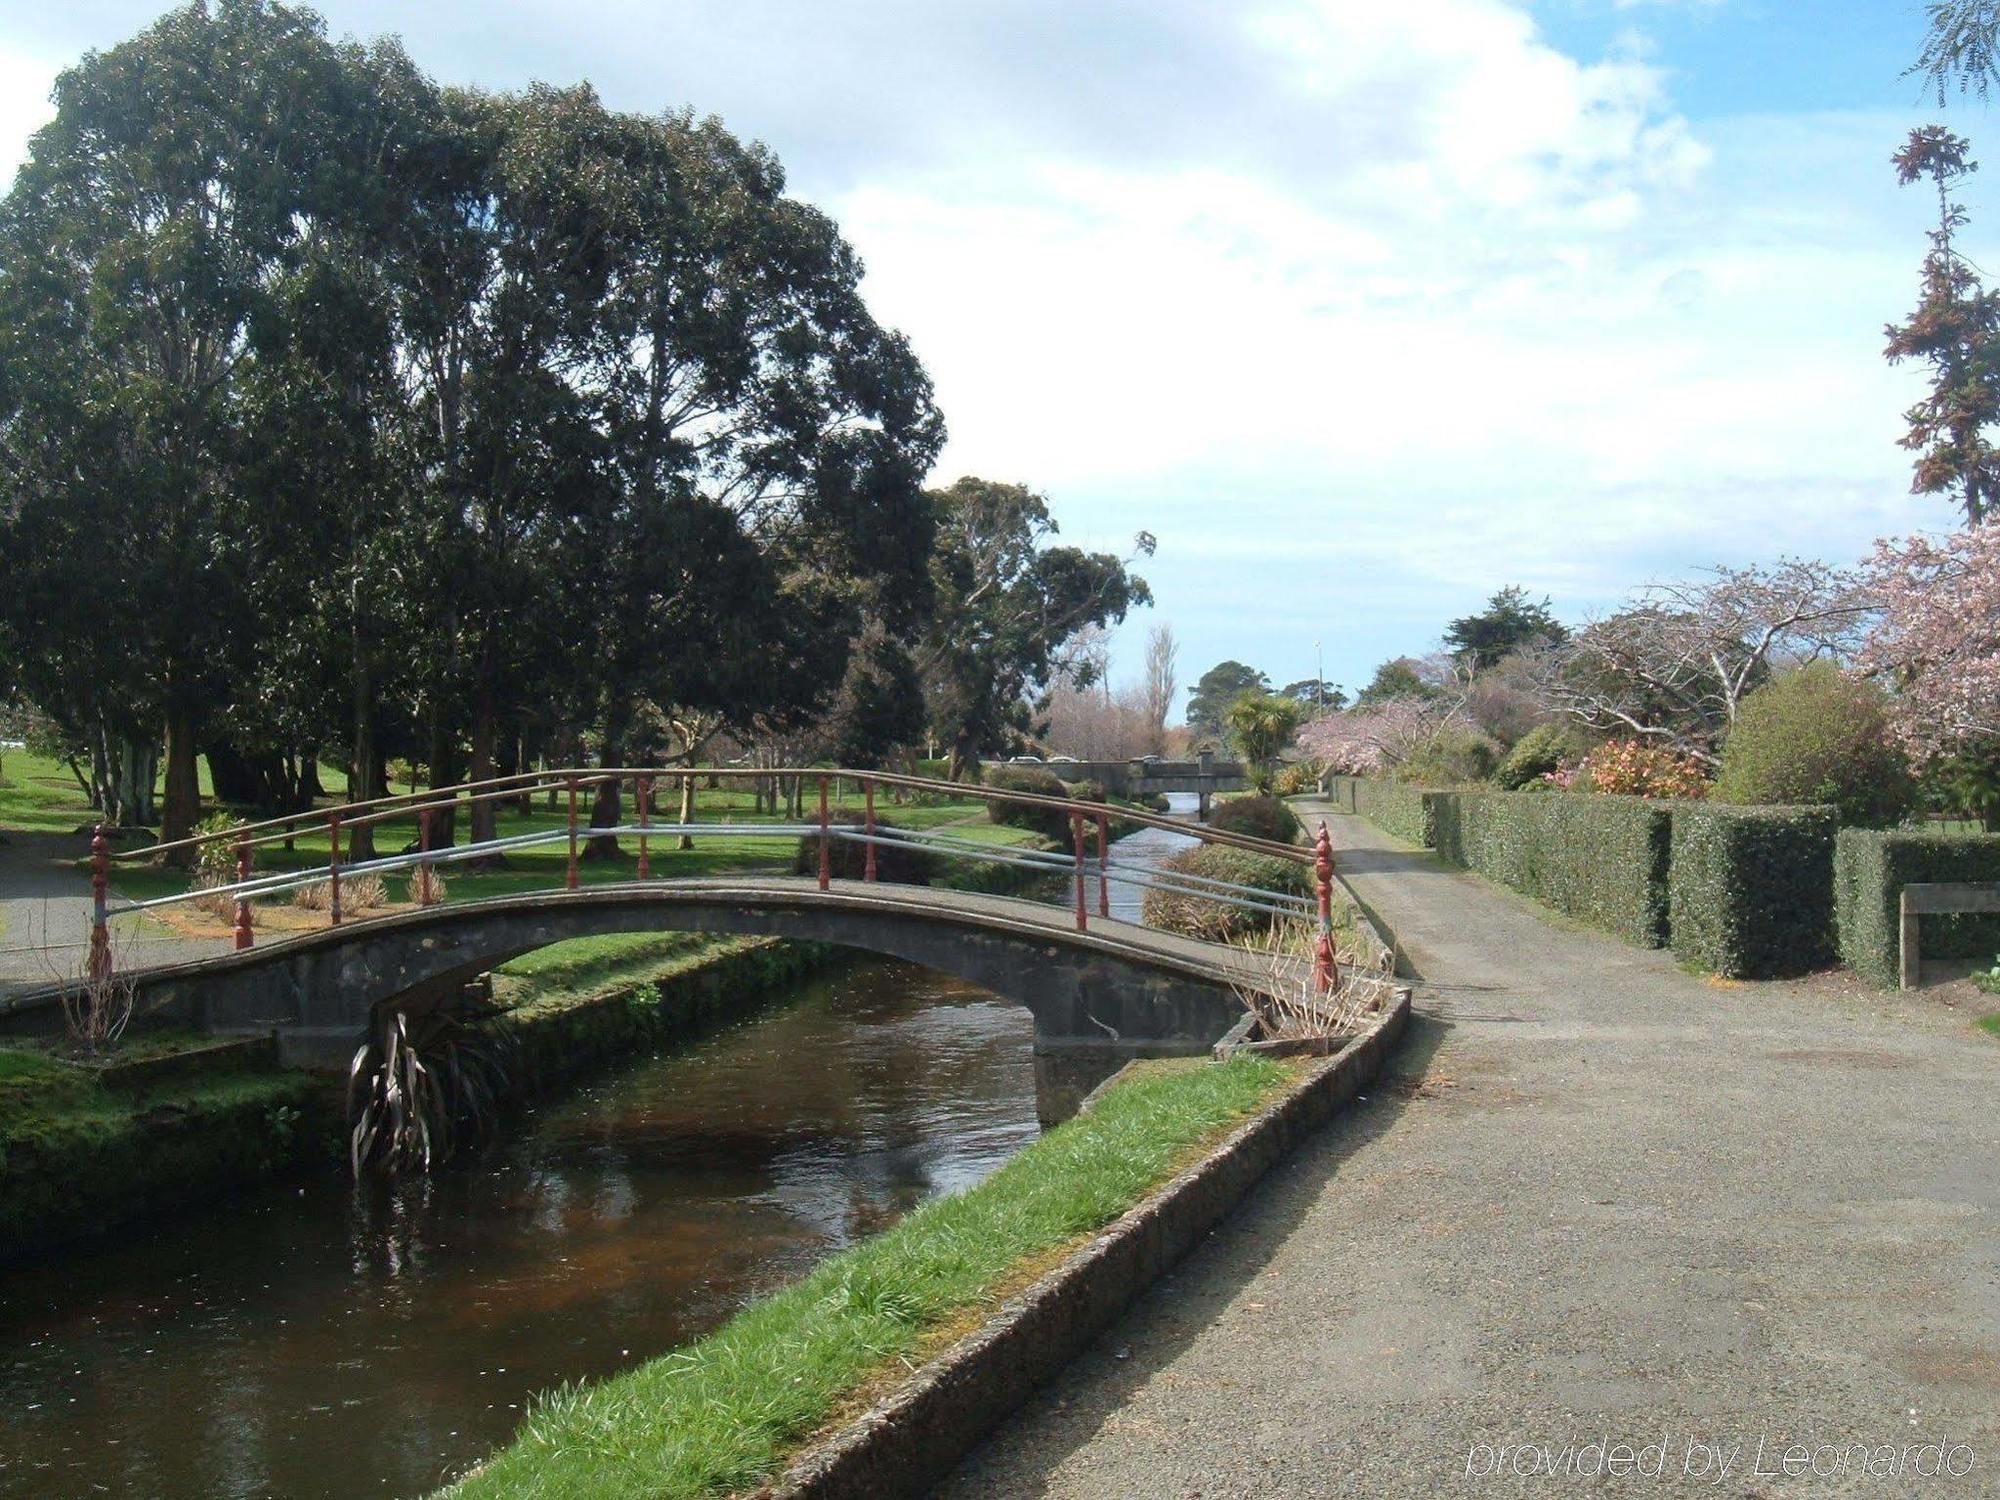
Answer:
(1162, 681)
(1675, 664)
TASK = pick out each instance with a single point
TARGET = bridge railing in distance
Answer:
(433, 807)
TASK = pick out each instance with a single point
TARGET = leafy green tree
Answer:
(1313, 694)
(1005, 603)
(139, 249)
(1962, 47)
(1260, 725)
(1217, 688)
(1510, 621)
(1395, 679)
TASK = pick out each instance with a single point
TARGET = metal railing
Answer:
(433, 807)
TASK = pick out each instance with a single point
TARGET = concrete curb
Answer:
(917, 1434)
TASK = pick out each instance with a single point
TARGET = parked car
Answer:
(1024, 760)
(1064, 760)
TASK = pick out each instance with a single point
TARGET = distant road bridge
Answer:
(1150, 776)
(1089, 981)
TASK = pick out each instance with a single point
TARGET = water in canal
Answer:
(324, 1341)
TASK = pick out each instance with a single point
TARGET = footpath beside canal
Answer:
(1602, 1199)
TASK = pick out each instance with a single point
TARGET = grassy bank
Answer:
(723, 1413)
(78, 1157)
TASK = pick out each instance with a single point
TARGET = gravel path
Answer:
(1600, 1199)
(45, 916)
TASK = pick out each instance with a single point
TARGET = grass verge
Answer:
(725, 1412)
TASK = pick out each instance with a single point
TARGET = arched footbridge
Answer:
(1089, 980)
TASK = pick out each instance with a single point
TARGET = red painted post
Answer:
(1326, 973)
(825, 841)
(244, 937)
(100, 895)
(333, 870)
(424, 865)
(570, 881)
(1076, 839)
(868, 866)
(1103, 864)
(643, 786)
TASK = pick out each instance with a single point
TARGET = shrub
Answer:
(1259, 817)
(1085, 791)
(1818, 736)
(1451, 757)
(1540, 752)
(1050, 822)
(1631, 768)
(1752, 889)
(1870, 871)
(847, 859)
(1297, 778)
(1602, 860)
(357, 893)
(1395, 808)
(1217, 921)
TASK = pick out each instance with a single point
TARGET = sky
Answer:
(1365, 311)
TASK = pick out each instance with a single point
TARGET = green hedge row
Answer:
(1742, 891)
(1870, 870)
(1602, 860)
(1751, 888)
(1395, 807)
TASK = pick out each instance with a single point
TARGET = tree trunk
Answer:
(687, 811)
(444, 771)
(485, 732)
(182, 809)
(607, 802)
(363, 763)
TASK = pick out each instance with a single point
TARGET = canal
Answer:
(331, 1340)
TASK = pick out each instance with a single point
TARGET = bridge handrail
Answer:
(437, 799)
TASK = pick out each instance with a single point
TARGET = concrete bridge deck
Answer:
(1116, 984)
(1602, 1199)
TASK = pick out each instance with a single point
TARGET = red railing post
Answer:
(244, 937)
(423, 865)
(569, 881)
(333, 870)
(1104, 864)
(100, 899)
(868, 865)
(1076, 839)
(642, 786)
(1326, 972)
(825, 841)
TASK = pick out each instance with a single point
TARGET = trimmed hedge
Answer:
(1602, 860)
(1751, 889)
(1396, 807)
(847, 859)
(1870, 871)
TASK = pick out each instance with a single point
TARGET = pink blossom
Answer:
(1936, 642)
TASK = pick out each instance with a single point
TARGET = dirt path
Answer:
(1601, 1198)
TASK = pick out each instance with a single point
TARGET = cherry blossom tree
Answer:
(1936, 639)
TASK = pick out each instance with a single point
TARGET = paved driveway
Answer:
(1601, 1200)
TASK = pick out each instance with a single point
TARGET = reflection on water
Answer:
(323, 1341)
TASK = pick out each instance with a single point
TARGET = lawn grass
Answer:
(1989, 1024)
(723, 1413)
